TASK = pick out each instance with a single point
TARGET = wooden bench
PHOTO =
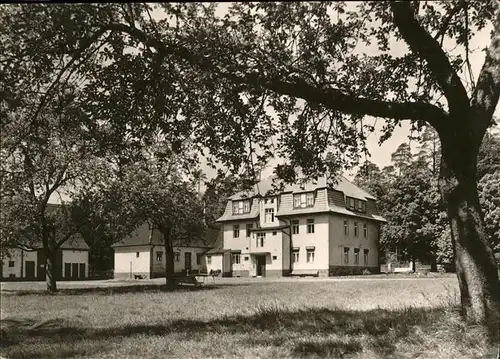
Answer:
(188, 280)
(304, 272)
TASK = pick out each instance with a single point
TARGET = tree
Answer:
(409, 201)
(402, 158)
(172, 205)
(112, 215)
(489, 195)
(370, 178)
(304, 61)
(161, 188)
(429, 149)
(54, 157)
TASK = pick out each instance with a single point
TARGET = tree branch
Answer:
(485, 97)
(422, 43)
(332, 99)
(446, 22)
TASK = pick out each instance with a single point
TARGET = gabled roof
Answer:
(262, 188)
(218, 251)
(75, 242)
(144, 235)
(343, 185)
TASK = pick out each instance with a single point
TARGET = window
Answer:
(249, 227)
(275, 258)
(246, 258)
(365, 230)
(296, 201)
(295, 255)
(260, 239)
(209, 259)
(350, 203)
(177, 256)
(346, 228)
(302, 200)
(11, 264)
(310, 226)
(310, 199)
(269, 215)
(357, 205)
(159, 256)
(274, 233)
(356, 255)
(346, 255)
(240, 207)
(236, 259)
(356, 229)
(365, 256)
(198, 258)
(236, 231)
(295, 226)
(310, 256)
(137, 254)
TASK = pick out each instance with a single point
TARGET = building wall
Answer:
(268, 203)
(75, 256)
(16, 271)
(339, 240)
(158, 267)
(320, 201)
(319, 239)
(132, 260)
(216, 262)
(243, 242)
(286, 256)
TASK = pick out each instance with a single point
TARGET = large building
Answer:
(142, 253)
(311, 229)
(28, 263)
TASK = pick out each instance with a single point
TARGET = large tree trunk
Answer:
(475, 264)
(50, 271)
(169, 258)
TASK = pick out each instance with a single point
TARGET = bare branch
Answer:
(444, 26)
(331, 98)
(422, 43)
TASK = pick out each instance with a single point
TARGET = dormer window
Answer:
(303, 200)
(241, 207)
(354, 204)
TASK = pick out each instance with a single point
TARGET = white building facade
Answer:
(143, 254)
(310, 230)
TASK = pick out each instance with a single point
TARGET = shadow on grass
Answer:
(313, 332)
(139, 288)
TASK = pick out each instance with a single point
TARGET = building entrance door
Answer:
(261, 266)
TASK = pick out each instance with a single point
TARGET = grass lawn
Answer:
(379, 318)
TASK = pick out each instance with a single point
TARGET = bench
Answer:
(139, 276)
(188, 280)
(304, 272)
